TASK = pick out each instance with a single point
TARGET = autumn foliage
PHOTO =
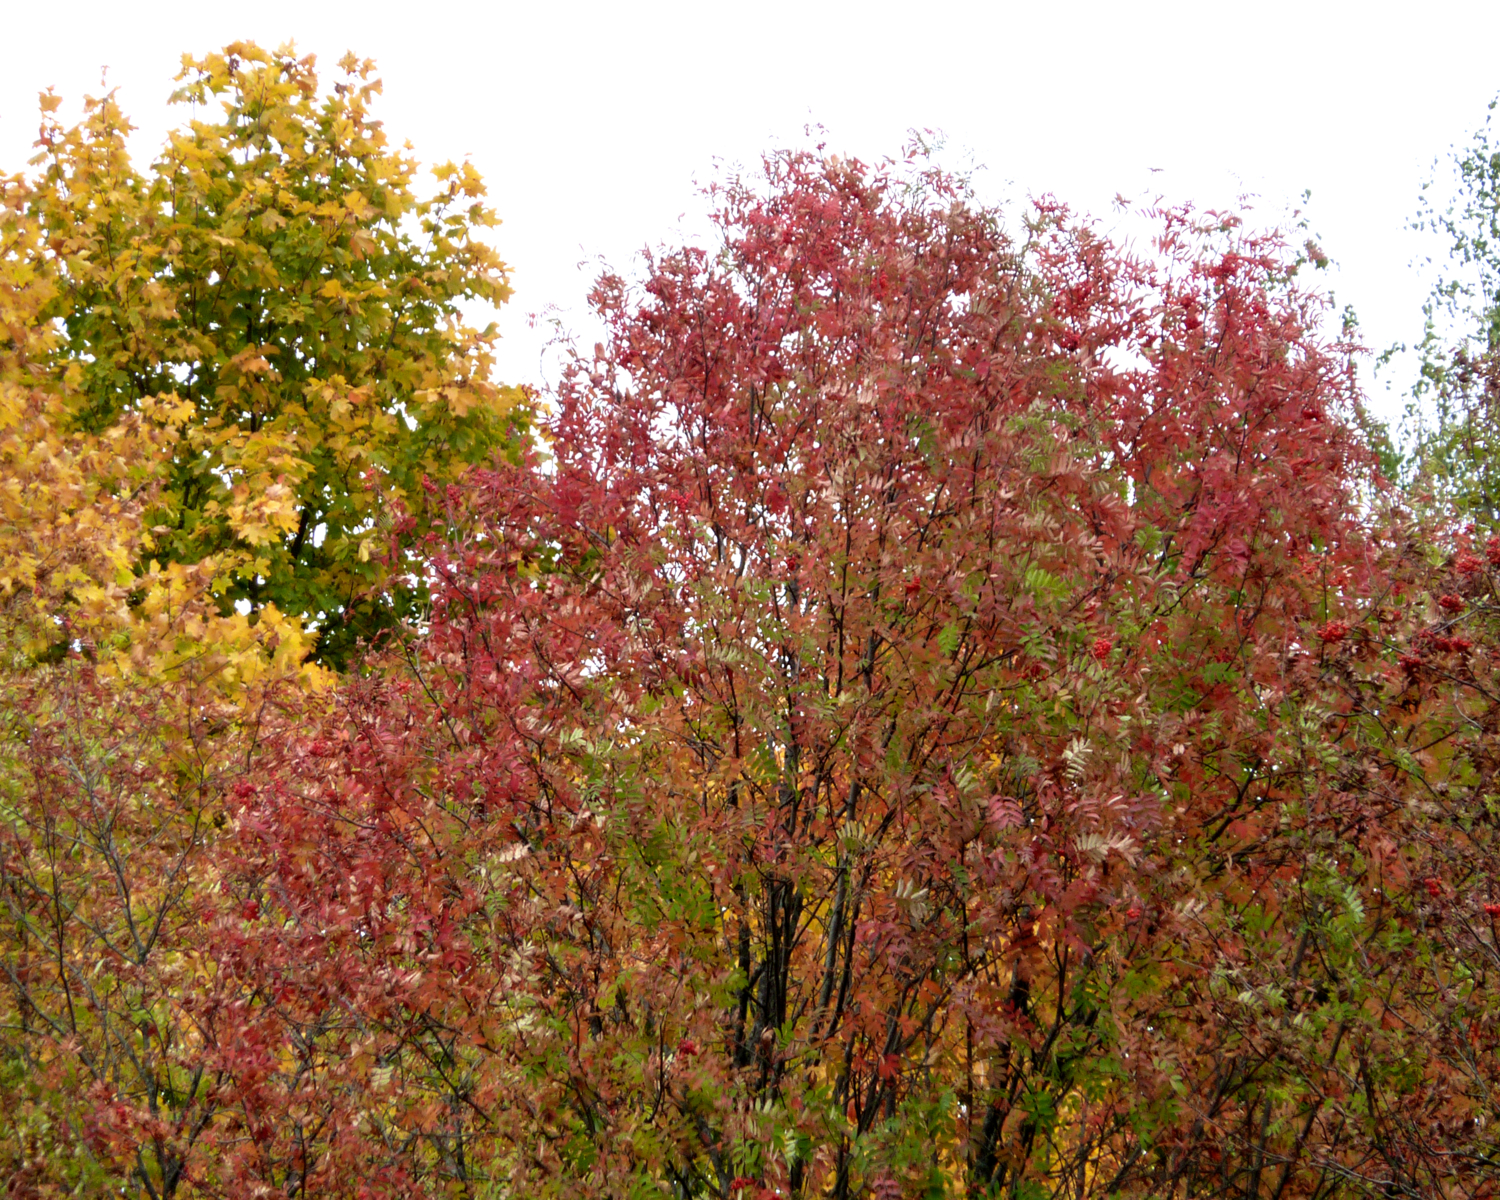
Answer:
(937, 710)
(275, 289)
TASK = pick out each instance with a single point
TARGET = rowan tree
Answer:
(953, 715)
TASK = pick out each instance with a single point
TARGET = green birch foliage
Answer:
(1456, 407)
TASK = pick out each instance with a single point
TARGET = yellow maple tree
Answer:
(274, 292)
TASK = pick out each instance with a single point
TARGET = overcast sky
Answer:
(594, 122)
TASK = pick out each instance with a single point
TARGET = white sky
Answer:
(592, 121)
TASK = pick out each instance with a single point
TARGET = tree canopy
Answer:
(276, 287)
(933, 708)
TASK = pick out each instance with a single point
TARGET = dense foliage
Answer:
(274, 287)
(936, 712)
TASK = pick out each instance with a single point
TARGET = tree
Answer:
(1457, 397)
(952, 717)
(137, 427)
(276, 279)
(128, 704)
(941, 714)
